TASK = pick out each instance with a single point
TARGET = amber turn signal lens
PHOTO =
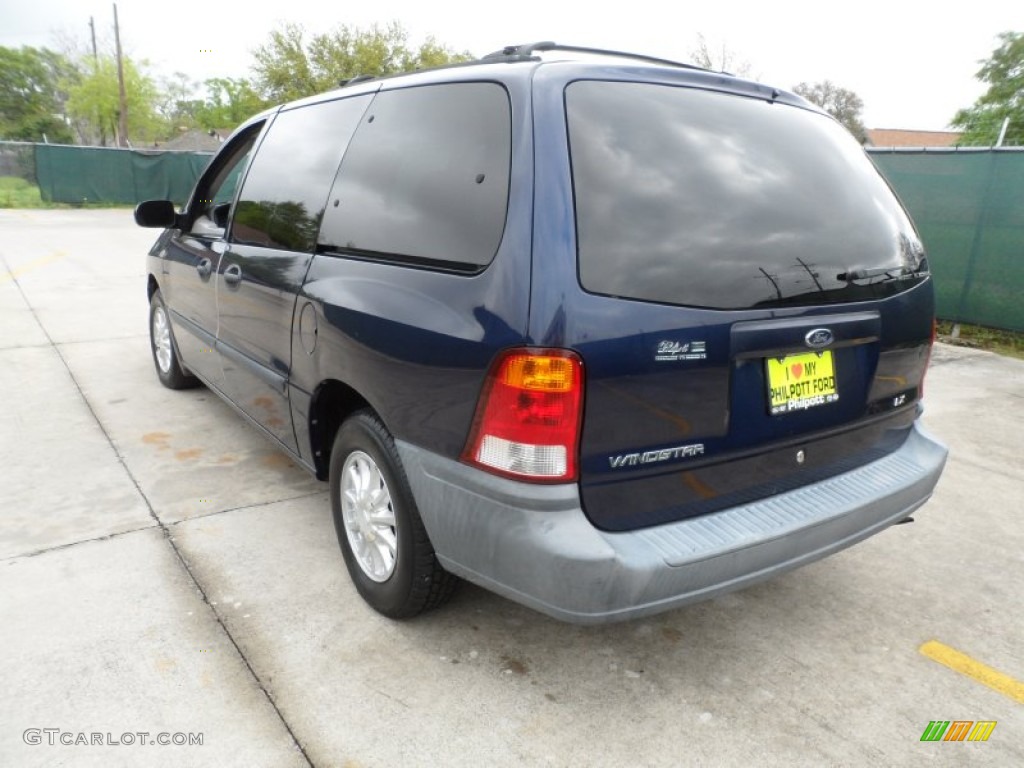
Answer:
(545, 373)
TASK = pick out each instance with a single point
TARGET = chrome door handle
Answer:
(233, 274)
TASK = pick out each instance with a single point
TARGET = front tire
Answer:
(386, 548)
(165, 352)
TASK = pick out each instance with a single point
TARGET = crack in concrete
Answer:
(118, 534)
(254, 505)
(48, 344)
(58, 547)
(161, 525)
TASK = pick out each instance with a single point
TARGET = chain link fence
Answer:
(17, 174)
(17, 160)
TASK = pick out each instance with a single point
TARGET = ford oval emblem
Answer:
(819, 338)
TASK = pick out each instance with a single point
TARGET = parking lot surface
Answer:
(164, 570)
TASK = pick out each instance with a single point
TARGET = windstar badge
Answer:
(652, 457)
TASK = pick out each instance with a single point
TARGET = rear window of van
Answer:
(707, 199)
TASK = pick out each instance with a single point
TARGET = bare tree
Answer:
(723, 60)
(844, 105)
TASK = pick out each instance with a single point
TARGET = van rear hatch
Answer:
(762, 300)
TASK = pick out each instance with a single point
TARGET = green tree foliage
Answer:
(31, 95)
(290, 65)
(285, 223)
(1004, 73)
(844, 105)
(176, 103)
(93, 101)
(229, 101)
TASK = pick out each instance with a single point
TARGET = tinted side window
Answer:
(426, 176)
(225, 193)
(283, 196)
(220, 180)
(707, 199)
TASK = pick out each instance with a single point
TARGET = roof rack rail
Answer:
(525, 52)
(356, 79)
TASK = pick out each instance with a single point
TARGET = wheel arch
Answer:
(333, 401)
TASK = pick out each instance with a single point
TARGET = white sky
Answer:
(911, 62)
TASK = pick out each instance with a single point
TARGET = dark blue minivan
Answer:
(601, 333)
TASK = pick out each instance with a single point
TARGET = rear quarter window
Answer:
(700, 198)
(284, 193)
(425, 179)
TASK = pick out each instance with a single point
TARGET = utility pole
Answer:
(811, 272)
(92, 32)
(773, 279)
(95, 72)
(122, 112)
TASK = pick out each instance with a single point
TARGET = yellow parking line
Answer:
(982, 673)
(41, 261)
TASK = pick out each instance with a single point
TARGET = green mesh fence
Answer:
(967, 204)
(107, 175)
(969, 209)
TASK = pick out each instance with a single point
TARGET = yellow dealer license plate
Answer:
(799, 382)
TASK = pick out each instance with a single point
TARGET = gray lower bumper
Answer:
(533, 544)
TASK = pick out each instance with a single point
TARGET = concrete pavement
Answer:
(164, 570)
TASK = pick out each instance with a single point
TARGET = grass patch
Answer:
(994, 340)
(15, 192)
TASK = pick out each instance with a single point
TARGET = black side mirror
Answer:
(156, 213)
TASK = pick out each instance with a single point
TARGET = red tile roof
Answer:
(899, 137)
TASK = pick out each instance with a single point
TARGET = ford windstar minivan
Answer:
(602, 333)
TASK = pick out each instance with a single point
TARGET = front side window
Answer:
(216, 190)
(699, 198)
(283, 197)
(425, 178)
(225, 192)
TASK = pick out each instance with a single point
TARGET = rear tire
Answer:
(165, 351)
(386, 548)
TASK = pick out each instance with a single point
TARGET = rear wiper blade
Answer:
(862, 274)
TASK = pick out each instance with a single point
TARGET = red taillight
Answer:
(527, 422)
